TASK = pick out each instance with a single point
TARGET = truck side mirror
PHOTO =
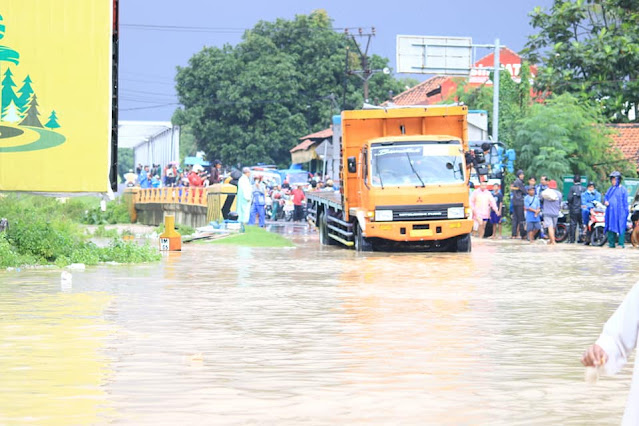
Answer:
(352, 164)
(482, 169)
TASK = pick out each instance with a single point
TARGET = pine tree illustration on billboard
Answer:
(21, 127)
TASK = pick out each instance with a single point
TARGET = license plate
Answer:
(421, 233)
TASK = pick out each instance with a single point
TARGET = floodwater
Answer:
(313, 335)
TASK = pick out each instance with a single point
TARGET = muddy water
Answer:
(228, 335)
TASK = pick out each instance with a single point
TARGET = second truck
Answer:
(404, 181)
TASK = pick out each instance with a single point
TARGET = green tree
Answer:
(591, 49)
(566, 136)
(53, 121)
(514, 101)
(8, 94)
(24, 93)
(32, 113)
(125, 160)
(251, 102)
(188, 145)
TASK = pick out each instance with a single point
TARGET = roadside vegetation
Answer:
(44, 231)
(255, 237)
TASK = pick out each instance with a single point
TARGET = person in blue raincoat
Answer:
(259, 202)
(616, 201)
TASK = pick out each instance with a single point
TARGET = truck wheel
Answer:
(464, 244)
(361, 243)
(598, 237)
(322, 223)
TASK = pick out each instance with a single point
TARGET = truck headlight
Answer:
(383, 215)
(455, 213)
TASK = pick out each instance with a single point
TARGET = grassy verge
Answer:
(43, 231)
(255, 237)
(183, 230)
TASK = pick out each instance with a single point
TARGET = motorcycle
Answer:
(596, 225)
(288, 210)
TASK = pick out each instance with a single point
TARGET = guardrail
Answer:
(190, 195)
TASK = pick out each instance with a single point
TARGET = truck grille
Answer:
(419, 212)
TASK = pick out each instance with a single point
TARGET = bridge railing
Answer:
(218, 199)
(192, 195)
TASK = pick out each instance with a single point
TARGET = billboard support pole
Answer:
(113, 173)
(496, 93)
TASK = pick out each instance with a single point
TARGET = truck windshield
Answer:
(416, 164)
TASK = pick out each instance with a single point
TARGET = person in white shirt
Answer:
(616, 342)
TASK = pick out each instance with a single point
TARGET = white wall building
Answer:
(153, 142)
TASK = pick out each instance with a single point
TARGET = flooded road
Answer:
(312, 335)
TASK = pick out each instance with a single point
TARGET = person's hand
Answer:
(594, 356)
(606, 203)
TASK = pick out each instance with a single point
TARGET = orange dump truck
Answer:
(404, 181)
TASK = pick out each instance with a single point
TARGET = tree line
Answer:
(251, 102)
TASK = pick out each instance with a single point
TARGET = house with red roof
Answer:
(626, 137)
(439, 88)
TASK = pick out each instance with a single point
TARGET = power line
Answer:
(149, 107)
(219, 30)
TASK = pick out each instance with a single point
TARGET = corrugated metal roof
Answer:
(322, 134)
(303, 146)
(134, 133)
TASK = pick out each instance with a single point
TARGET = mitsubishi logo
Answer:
(419, 200)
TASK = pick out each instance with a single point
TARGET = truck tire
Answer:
(361, 243)
(322, 223)
(464, 244)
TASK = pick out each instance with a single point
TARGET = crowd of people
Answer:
(535, 209)
(260, 198)
(172, 175)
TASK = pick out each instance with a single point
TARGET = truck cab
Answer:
(404, 181)
(411, 189)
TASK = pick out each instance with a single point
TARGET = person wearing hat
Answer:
(550, 208)
(588, 199)
(518, 192)
(616, 201)
(574, 207)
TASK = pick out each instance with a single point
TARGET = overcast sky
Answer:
(149, 55)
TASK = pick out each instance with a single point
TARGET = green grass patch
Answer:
(43, 231)
(183, 230)
(255, 237)
(102, 232)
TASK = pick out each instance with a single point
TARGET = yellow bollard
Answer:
(170, 239)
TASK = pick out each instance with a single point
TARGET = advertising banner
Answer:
(55, 95)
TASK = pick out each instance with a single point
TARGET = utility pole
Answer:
(365, 73)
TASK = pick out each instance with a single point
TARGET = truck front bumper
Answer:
(435, 230)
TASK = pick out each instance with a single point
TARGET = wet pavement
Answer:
(315, 335)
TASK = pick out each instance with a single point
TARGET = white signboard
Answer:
(434, 55)
(164, 244)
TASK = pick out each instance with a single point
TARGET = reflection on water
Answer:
(315, 335)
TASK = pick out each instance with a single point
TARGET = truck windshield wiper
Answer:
(415, 171)
(379, 173)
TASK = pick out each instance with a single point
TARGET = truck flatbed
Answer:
(330, 198)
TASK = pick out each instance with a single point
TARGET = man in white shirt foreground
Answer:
(617, 340)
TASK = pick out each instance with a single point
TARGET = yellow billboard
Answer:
(55, 95)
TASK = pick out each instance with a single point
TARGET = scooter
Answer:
(288, 210)
(596, 225)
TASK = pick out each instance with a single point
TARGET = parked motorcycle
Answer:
(596, 224)
(288, 210)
